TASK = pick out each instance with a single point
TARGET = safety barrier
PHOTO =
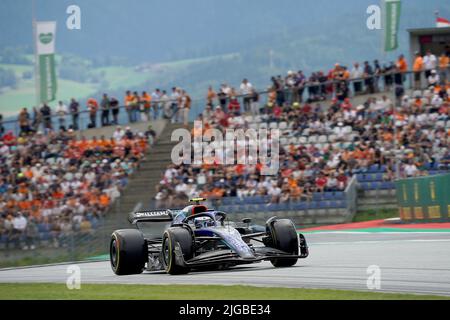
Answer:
(424, 198)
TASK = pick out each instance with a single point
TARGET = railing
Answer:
(327, 89)
(50, 245)
(81, 120)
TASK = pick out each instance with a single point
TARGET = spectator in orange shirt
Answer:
(83, 144)
(402, 67)
(217, 193)
(295, 193)
(24, 205)
(146, 103)
(28, 172)
(58, 194)
(205, 193)
(388, 136)
(444, 62)
(104, 200)
(418, 103)
(129, 105)
(417, 68)
(92, 106)
(272, 95)
(103, 143)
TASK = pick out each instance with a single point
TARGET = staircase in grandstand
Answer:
(141, 186)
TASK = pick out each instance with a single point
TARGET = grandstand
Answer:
(324, 146)
(340, 150)
(57, 184)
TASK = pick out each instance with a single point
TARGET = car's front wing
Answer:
(221, 257)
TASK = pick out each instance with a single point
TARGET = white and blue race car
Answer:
(197, 237)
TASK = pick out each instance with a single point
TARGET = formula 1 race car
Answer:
(197, 237)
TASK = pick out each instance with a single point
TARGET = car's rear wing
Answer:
(163, 215)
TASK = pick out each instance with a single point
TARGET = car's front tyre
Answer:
(172, 238)
(284, 237)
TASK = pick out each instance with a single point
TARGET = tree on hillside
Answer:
(14, 55)
(7, 78)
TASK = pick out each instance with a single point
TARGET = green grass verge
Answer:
(49, 256)
(41, 260)
(379, 214)
(13, 100)
(190, 292)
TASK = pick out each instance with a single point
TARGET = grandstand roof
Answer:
(427, 31)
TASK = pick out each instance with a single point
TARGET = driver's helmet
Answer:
(204, 222)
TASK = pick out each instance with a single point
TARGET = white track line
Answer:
(375, 232)
(377, 241)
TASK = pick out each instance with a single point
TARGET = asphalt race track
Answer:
(409, 262)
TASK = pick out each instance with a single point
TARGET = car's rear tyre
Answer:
(172, 237)
(283, 237)
(127, 252)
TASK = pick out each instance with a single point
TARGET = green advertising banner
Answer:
(424, 198)
(45, 50)
(392, 10)
(47, 75)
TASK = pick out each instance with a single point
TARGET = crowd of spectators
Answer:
(106, 111)
(415, 129)
(55, 185)
(340, 81)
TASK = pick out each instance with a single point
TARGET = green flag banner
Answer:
(392, 9)
(45, 49)
(47, 75)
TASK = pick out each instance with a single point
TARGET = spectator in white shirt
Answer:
(61, 111)
(383, 104)
(339, 130)
(208, 114)
(37, 170)
(332, 183)
(156, 105)
(246, 90)
(436, 101)
(170, 174)
(410, 169)
(167, 109)
(118, 133)
(226, 89)
(181, 188)
(433, 78)
(274, 192)
(20, 222)
(429, 63)
(357, 73)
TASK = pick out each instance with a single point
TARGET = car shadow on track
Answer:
(229, 270)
